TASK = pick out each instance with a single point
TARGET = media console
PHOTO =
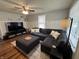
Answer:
(14, 28)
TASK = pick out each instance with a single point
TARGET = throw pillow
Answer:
(55, 34)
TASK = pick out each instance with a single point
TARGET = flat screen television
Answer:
(13, 26)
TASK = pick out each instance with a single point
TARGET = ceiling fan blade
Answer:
(12, 2)
(24, 8)
(35, 8)
(17, 7)
(31, 10)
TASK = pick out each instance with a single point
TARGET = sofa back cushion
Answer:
(45, 31)
(59, 30)
(48, 31)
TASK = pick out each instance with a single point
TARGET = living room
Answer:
(28, 28)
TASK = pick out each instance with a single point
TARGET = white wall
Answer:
(52, 18)
(9, 17)
(32, 21)
(74, 13)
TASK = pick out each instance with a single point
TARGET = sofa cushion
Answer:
(41, 35)
(49, 41)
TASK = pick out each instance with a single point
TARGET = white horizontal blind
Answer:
(41, 21)
(74, 35)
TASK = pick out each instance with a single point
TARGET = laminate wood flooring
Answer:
(8, 51)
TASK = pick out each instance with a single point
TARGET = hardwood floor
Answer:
(8, 51)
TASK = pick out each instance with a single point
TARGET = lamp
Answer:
(67, 23)
(64, 23)
(25, 12)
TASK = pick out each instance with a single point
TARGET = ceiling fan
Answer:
(24, 8)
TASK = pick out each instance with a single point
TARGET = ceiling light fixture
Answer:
(25, 12)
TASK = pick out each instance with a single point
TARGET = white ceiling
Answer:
(43, 5)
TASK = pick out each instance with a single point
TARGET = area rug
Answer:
(35, 53)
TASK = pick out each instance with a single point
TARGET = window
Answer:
(41, 21)
(73, 35)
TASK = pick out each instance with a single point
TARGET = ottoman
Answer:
(26, 45)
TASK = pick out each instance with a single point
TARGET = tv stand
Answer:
(12, 34)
